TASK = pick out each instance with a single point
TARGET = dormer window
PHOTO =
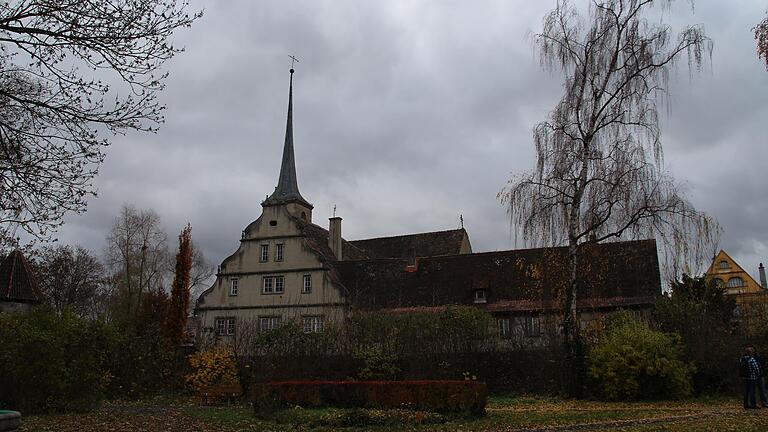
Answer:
(480, 296)
(264, 255)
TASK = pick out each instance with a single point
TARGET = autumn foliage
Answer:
(179, 302)
(211, 367)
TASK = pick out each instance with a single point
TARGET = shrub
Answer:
(52, 362)
(290, 339)
(437, 396)
(455, 329)
(214, 366)
(377, 365)
(631, 361)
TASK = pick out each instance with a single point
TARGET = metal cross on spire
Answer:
(293, 59)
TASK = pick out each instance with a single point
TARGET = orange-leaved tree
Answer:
(177, 312)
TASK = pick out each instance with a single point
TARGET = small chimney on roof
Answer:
(761, 270)
(334, 236)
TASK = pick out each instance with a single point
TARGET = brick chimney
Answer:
(761, 270)
(334, 236)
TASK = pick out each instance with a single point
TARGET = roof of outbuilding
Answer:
(627, 270)
(17, 283)
(436, 243)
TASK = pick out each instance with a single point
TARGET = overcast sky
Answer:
(406, 115)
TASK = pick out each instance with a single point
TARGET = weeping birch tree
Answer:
(761, 37)
(599, 174)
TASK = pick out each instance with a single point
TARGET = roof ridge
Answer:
(531, 249)
(409, 235)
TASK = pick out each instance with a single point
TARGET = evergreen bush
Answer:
(631, 361)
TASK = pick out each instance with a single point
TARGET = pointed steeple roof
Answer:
(287, 189)
(16, 280)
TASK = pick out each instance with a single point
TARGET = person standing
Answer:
(749, 370)
(760, 385)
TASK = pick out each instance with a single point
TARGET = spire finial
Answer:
(293, 59)
(461, 220)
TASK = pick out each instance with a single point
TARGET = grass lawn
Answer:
(509, 414)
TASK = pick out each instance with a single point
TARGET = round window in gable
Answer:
(273, 223)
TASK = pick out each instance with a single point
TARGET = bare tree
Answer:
(137, 254)
(599, 174)
(70, 278)
(70, 71)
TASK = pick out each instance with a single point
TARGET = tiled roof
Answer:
(316, 239)
(627, 270)
(437, 243)
(17, 283)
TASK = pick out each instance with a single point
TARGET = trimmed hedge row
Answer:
(438, 396)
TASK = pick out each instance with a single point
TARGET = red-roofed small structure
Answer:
(18, 288)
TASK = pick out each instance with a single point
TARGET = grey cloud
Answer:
(407, 114)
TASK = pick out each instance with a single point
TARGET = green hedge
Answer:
(51, 362)
(436, 396)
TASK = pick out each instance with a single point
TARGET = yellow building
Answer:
(751, 296)
(726, 272)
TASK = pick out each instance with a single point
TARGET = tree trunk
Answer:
(571, 332)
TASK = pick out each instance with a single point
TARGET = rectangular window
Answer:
(312, 324)
(225, 326)
(504, 327)
(278, 252)
(268, 286)
(233, 286)
(307, 286)
(279, 284)
(480, 296)
(264, 256)
(532, 326)
(269, 323)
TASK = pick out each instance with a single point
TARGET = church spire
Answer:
(287, 189)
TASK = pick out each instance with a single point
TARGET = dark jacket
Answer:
(744, 366)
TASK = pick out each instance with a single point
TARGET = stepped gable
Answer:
(17, 283)
(618, 274)
(436, 243)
